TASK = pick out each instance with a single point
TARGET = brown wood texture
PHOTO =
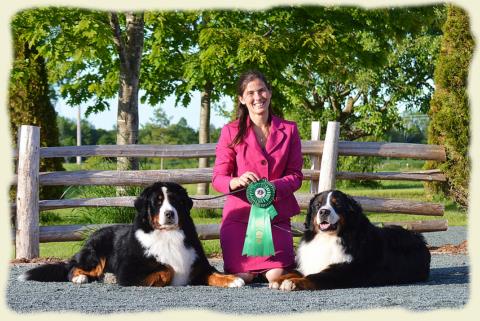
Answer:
(328, 167)
(369, 204)
(204, 175)
(65, 233)
(27, 226)
(309, 147)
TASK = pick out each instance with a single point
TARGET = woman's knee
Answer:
(273, 274)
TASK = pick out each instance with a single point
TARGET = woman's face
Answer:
(256, 97)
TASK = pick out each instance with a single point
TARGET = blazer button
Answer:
(263, 162)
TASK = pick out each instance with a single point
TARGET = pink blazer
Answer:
(281, 163)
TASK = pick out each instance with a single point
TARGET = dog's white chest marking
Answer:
(316, 255)
(167, 247)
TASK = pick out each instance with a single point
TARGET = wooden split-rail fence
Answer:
(322, 176)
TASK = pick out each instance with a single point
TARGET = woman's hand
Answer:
(243, 181)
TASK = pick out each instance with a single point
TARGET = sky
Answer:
(107, 119)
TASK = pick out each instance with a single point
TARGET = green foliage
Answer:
(347, 64)
(101, 215)
(357, 164)
(196, 48)
(50, 218)
(90, 135)
(67, 129)
(104, 215)
(318, 67)
(449, 108)
(78, 47)
(175, 134)
(412, 129)
(87, 53)
(355, 66)
(211, 214)
(29, 104)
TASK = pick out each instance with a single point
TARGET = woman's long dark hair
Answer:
(242, 111)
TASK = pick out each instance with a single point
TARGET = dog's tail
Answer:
(57, 272)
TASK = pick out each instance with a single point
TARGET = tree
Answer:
(90, 135)
(413, 129)
(129, 48)
(349, 65)
(449, 108)
(29, 104)
(355, 66)
(67, 131)
(179, 33)
(171, 134)
(329, 63)
(202, 50)
(91, 56)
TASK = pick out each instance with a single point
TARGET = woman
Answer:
(257, 145)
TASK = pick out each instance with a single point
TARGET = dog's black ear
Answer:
(353, 206)
(182, 194)
(308, 217)
(188, 202)
(355, 211)
(141, 202)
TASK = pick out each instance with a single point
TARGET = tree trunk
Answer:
(130, 48)
(204, 131)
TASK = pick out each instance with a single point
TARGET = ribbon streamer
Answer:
(258, 239)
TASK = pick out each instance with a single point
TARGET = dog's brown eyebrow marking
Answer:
(333, 200)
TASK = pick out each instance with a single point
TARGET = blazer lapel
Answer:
(276, 136)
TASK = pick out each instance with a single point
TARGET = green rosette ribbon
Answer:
(258, 239)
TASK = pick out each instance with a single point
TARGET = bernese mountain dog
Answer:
(160, 248)
(341, 248)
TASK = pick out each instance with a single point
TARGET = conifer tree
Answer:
(449, 107)
(29, 104)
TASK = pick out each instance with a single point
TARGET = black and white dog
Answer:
(160, 248)
(342, 249)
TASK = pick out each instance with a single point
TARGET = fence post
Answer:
(27, 230)
(328, 168)
(315, 135)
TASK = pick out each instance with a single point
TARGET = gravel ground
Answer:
(448, 287)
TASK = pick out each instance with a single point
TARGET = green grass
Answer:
(387, 189)
(61, 250)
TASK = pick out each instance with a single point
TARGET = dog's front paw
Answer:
(274, 285)
(109, 278)
(288, 285)
(80, 279)
(236, 283)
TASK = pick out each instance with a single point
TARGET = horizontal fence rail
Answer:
(204, 175)
(427, 175)
(309, 147)
(67, 233)
(375, 205)
(393, 150)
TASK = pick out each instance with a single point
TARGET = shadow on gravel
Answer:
(449, 275)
